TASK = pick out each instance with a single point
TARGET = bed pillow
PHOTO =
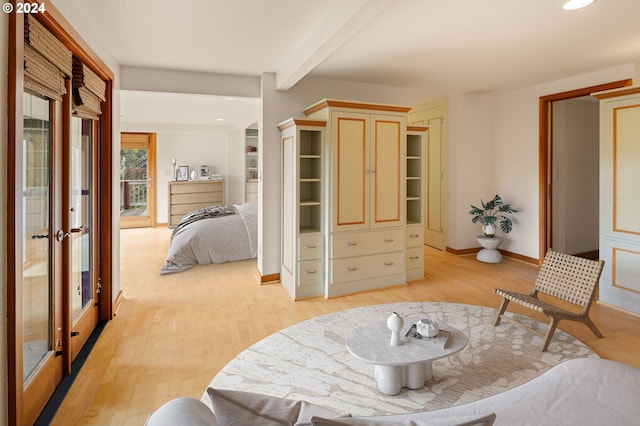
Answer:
(246, 408)
(406, 420)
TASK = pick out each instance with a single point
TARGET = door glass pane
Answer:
(133, 182)
(80, 214)
(36, 254)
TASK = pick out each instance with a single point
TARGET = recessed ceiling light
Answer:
(576, 4)
(219, 119)
(230, 99)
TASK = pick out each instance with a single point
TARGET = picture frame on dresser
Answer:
(182, 175)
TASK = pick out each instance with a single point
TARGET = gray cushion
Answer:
(408, 420)
(246, 408)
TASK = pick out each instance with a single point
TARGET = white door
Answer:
(620, 201)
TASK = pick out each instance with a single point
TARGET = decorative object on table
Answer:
(175, 168)
(492, 212)
(182, 175)
(204, 172)
(439, 340)
(427, 327)
(194, 175)
(395, 323)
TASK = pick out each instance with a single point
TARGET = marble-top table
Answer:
(406, 365)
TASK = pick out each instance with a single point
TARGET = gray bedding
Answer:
(218, 235)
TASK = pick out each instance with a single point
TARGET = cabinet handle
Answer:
(414, 258)
(313, 271)
(388, 240)
(311, 246)
(351, 243)
(352, 268)
(388, 263)
(414, 235)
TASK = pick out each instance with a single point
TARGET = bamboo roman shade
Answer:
(47, 62)
(88, 91)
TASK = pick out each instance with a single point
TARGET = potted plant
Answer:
(491, 212)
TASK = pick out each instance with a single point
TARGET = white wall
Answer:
(219, 147)
(514, 167)
(469, 165)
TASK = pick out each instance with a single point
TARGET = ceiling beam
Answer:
(340, 24)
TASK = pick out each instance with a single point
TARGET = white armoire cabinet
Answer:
(366, 209)
(620, 197)
(303, 205)
(352, 199)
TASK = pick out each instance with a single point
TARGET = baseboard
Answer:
(505, 253)
(267, 279)
(117, 303)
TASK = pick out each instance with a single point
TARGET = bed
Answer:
(215, 234)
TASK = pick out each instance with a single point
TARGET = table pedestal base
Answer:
(489, 253)
(393, 378)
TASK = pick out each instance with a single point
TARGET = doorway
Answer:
(555, 179)
(137, 180)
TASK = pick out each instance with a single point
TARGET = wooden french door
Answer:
(80, 216)
(137, 180)
(40, 338)
(59, 218)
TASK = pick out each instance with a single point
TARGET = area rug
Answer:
(310, 361)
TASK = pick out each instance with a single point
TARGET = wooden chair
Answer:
(564, 278)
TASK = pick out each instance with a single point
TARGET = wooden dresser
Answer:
(185, 197)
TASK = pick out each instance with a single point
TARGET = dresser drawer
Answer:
(415, 236)
(415, 257)
(310, 247)
(360, 268)
(364, 243)
(310, 273)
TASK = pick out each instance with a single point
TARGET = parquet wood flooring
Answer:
(173, 333)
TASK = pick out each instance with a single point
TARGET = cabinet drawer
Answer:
(360, 268)
(364, 243)
(310, 272)
(415, 257)
(310, 247)
(415, 236)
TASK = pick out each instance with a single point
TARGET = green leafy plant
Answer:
(493, 211)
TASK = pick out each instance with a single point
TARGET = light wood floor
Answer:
(173, 333)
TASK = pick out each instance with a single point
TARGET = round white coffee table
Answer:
(406, 365)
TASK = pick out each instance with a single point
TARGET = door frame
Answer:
(150, 146)
(53, 20)
(545, 187)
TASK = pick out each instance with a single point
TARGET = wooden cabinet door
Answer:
(350, 171)
(387, 171)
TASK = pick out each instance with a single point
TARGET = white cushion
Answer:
(183, 411)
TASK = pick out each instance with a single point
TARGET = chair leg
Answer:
(503, 307)
(552, 328)
(592, 326)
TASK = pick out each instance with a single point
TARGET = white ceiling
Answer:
(434, 48)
